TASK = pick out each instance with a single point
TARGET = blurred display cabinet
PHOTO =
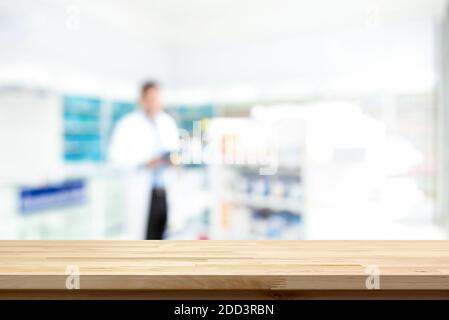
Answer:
(83, 136)
(193, 121)
(117, 110)
(93, 210)
(88, 125)
(257, 175)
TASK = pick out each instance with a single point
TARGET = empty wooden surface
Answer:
(178, 266)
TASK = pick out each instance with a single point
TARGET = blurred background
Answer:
(349, 97)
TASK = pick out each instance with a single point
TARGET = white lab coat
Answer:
(136, 140)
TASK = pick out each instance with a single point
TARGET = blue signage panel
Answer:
(64, 194)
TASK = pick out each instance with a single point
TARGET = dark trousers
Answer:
(157, 215)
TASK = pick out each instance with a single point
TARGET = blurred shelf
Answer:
(270, 203)
(281, 170)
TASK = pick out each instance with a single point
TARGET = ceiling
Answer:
(199, 22)
(176, 41)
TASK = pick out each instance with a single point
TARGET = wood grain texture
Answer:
(252, 266)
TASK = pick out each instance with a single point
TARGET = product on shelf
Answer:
(83, 137)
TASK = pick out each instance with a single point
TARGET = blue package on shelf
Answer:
(87, 149)
(76, 127)
(76, 157)
(268, 224)
(77, 105)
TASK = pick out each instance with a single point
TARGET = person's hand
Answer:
(154, 163)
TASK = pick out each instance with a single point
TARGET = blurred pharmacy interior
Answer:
(302, 119)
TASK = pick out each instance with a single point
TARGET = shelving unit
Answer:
(116, 111)
(189, 196)
(189, 206)
(258, 176)
(83, 134)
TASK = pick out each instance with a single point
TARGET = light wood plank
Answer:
(224, 265)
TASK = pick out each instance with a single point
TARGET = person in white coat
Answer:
(142, 143)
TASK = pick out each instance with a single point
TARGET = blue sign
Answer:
(64, 194)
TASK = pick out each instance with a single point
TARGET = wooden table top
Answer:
(224, 265)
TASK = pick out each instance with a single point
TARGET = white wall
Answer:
(398, 57)
(54, 45)
(30, 137)
(114, 45)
